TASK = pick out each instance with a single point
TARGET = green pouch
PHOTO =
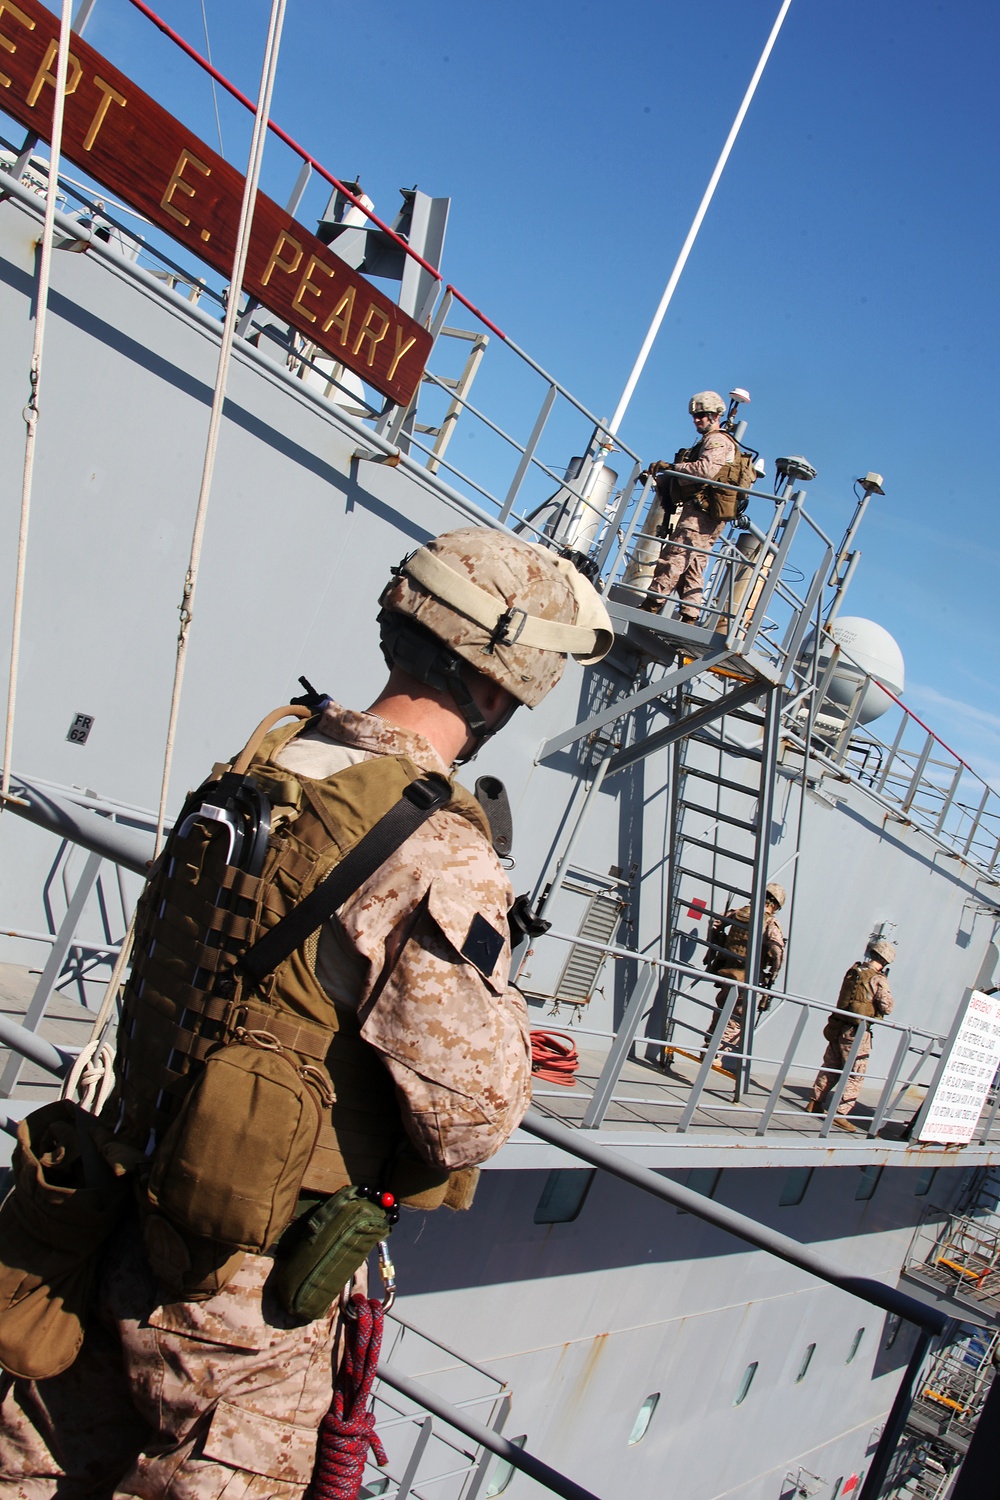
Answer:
(324, 1249)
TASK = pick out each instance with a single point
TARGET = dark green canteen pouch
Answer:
(322, 1251)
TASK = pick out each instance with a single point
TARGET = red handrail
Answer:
(475, 312)
(283, 135)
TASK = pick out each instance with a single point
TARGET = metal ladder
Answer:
(722, 791)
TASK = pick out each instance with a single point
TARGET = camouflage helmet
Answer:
(706, 401)
(776, 893)
(883, 950)
(512, 609)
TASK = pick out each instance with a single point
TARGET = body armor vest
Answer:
(857, 990)
(184, 1000)
(706, 496)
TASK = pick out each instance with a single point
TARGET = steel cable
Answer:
(32, 408)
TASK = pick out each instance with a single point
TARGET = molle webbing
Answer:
(185, 998)
(857, 990)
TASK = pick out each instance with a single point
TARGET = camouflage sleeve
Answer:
(882, 996)
(436, 1003)
(774, 946)
(717, 449)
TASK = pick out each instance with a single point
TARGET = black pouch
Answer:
(322, 1251)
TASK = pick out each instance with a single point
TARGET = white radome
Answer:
(874, 650)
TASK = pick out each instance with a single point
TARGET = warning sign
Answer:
(969, 1069)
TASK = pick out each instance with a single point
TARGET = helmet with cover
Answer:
(510, 609)
(709, 402)
(776, 893)
(883, 950)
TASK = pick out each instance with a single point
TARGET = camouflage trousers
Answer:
(730, 1039)
(190, 1400)
(834, 1061)
(682, 570)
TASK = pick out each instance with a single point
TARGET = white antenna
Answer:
(692, 234)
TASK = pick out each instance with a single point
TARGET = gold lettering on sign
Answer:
(44, 75)
(305, 285)
(400, 352)
(366, 332)
(109, 96)
(178, 185)
(342, 315)
(5, 41)
(276, 263)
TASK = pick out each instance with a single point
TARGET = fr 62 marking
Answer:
(79, 730)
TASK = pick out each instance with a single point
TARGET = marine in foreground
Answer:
(282, 1079)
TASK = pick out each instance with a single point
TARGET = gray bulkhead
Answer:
(584, 1319)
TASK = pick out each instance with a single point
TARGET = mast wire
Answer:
(692, 233)
(215, 92)
(186, 607)
(33, 406)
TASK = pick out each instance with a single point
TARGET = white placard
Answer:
(971, 1066)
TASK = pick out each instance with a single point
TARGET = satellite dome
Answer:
(873, 649)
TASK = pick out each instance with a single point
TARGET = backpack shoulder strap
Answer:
(419, 800)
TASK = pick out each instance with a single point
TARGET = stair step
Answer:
(743, 859)
(732, 786)
(707, 880)
(711, 812)
(740, 752)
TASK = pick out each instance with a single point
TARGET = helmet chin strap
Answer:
(421, 655)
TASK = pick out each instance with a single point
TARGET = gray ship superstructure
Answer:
(635, 1347)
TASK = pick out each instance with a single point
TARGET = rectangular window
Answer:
(793, 1189)
(925, 1177)
(563, 1195)
(869, 1182)
(703, 1180)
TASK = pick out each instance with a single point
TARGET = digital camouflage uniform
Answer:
(731, 933)
(868, 980)
(201, 1399)
(679, 570)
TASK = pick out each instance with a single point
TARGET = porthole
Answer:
(836, 1488)
(806, 1362)
(855, 1345)
(925, 1177)
(645, 1415)
(703, 1180)
(563, 1196)
(793, 1189)
(869, 1182)
(746, 1383)
(504, 1471)
(893, 1324)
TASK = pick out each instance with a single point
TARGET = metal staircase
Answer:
(722, 792)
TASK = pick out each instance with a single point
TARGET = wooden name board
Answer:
(124, 140)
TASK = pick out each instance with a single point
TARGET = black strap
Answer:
(419, 800)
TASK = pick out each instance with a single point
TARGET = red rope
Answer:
(348, 1429)
(554, 1058)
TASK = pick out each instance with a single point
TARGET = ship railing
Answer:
(904, 765)
(672, 1103)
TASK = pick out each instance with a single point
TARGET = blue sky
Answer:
(844, 275)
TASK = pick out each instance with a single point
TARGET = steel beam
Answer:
(685, 726)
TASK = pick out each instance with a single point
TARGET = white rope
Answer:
(93, 1071)
(35, 376)
(219, 395)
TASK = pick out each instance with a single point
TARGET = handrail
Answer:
(486, 1437)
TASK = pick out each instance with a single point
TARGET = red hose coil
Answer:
(348, 1429)
(554, 1057)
